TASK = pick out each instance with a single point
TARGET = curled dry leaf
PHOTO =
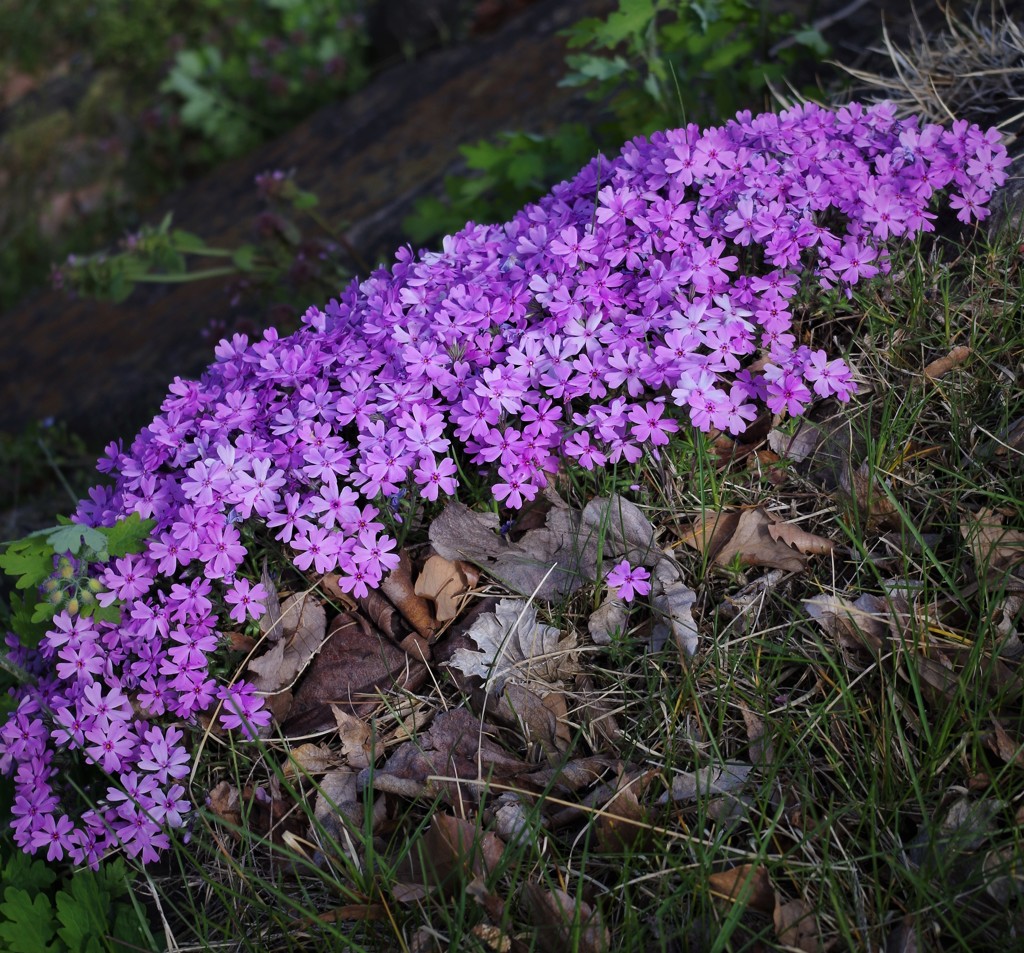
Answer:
(622, 526)
(548, 562)
(354, 734)
(444, 582)
(748, 884)
(304, 624)
(454, 848)
(338, 804)
(271, 624)
(797, 446)
(796, 927)
(756, 537)
(310, 759)
(944, 365)
(707, 782)
(992, 545)
(514, 645)
(860, 624)
(562, 922)
(399, 588)
(621, 825)
(672, 603)
(607, 620)
(225, 804)
(864, 488)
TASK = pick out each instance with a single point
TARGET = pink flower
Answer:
(628, 581)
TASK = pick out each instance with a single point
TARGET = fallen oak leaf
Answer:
(310, 759)
(513, 644)
(398, 587)
(357, 664)
(355, 738)
(796, 536)
(728, 535)
(456, 851)
(452, 751)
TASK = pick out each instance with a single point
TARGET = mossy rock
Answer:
(29, 146)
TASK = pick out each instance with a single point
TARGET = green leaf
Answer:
(22, 610)
(28, 924)
(128, 535)
(43, 612)
(30, 565)
(814, 41)
(21, 870)
(244, 257)
(305, 200)
(187, 242)
(102, 613)
(73, 537)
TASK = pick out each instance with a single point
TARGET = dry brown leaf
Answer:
(356, 665)
(355, 738)
(860, 624)
(514, 645)
(745, 535)
(796, 927)
(454, 747)
(903, 938)
(304, 623)
(607, 620)
(444, 582)
(748, 884)
(622, 526)
(456, 851)
(337, 803)
(621, 825)
(562, 922)
(799, 445)
(793, 535)
(1010, 750)
(992, 545)
(707, 782)
(672, 604)
(271, 624)
(549, 562)
(225, 803)
(864, 488)
(399, 588)
(944, 365)
(310, 759)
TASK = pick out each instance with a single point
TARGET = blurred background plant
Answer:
(106, 105)
(656, 64)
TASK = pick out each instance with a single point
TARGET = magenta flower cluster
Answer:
(651, 291)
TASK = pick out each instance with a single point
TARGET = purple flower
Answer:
(246, 599)
(628, 581)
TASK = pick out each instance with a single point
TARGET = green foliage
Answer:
(270, 62)
(87, 912)
(58, 563)
(511, 170)
(654, 64)
(288, 255)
